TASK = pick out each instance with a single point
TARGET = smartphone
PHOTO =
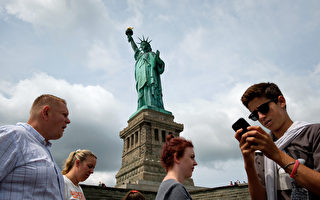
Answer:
(241, 123)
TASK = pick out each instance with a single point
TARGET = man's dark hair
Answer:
(267, 90)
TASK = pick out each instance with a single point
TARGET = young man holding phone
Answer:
(284, 164)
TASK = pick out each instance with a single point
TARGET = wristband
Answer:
(295, 167)
(285, 167)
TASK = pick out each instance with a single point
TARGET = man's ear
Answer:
(45, 112)
(282, 101)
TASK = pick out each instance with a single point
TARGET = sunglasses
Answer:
(263, 109)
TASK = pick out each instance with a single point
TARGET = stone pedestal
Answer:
(142, 142)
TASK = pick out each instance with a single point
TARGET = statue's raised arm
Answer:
(148, 68)
(129, 34)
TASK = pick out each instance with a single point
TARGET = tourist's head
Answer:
(178, 151)
(266, 104)
(45, 100)
(49, 116)
(268, 90)
(81, 163)
(133, 195)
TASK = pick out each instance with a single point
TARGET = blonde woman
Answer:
(77, 168)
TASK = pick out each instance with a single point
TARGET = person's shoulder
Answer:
(11, 130)
(171, 189)
(174, 184)
(313, 128)
(8, 127)
(179, 191)
(11, 138)
(316, 125)
(67, 181)
(170, 182)
(311, 134)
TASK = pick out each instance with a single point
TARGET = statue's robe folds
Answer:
(148, 68)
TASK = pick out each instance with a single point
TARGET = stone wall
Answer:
(111, 193)
(237, 192)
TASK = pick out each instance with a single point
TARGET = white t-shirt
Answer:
(72, 191)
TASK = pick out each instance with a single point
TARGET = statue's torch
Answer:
(129, 33)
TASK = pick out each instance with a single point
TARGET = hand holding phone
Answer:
(241, 123)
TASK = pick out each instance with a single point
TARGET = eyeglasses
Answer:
(263, 109)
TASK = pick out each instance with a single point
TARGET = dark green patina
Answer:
(148, 69)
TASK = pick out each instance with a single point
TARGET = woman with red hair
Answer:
(178, 158)
(133, 195)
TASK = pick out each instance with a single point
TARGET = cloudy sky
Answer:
(213, 50)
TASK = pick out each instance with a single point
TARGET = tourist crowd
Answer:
(281, 164)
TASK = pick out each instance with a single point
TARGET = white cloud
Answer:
(59, 15)
(220, 174)
(40, 12)
(208, 124)
(94, 115)
(135, 18)
(105, 58)
(104, 177)
(165, 18)
(317, 70)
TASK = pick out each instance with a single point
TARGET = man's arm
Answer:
(256, 189)
(305, 177)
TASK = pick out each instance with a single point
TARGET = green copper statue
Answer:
(148, 68)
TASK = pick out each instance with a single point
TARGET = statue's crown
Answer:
(144, 40)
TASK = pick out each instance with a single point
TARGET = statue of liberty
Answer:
(148, 69)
